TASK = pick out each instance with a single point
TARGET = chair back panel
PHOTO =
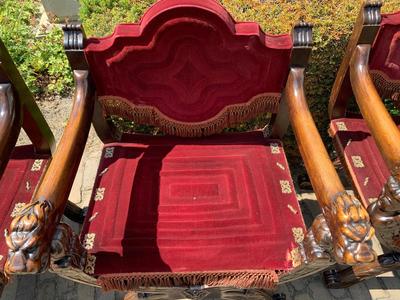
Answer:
(189, 68)
(385, 57)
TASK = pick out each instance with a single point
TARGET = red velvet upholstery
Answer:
(362, 158)
(385, 53)
(385, 57)
(189, 62)
(172, 206)
(17, 185)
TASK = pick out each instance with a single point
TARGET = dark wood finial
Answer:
(302, 44)
(74, 43)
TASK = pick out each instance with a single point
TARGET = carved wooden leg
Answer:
(68, 257)
(385, 213)
(336, 279)
(315, 252)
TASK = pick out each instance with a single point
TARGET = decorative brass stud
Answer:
(285, 186)
(88, 242)
(99, 194)
(298, 234)
(109, 152)
(341, 126)
(37, 165)
(275, 148)
(295, 257)
(90, 264)
(357, 161)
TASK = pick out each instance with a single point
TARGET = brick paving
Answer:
(49, 286)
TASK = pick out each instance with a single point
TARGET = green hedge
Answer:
(39, 57)
(42, 62)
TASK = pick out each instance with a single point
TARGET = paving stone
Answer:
(100, 295)
(302, 297)
(317, 290)
(85, 292)
(359, 291)
(338, 293)
(26, 288)
(65, 289)
(10, 290)
(46, 285)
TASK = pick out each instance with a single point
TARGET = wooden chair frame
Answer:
(354, 71)
(342, 233)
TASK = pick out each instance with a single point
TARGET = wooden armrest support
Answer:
(9, 123)
(31, 232)
(382, 127)
(384, 212)
(347, 219)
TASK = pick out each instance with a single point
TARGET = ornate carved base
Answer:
(352, 243)
(385, 213)
(69, 257)
(315, 250)
(335, 279)
(26, 254)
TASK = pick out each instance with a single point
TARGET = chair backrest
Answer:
(189, 68)
(385, 57)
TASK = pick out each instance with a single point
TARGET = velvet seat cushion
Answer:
(361, 156)
(164, 205)
(17, 184)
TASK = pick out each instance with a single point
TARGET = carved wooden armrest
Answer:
(346, 218)
(31, 232)
(354, 77)
(384, 211)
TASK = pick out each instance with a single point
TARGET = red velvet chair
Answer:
(20, 167)
(194, 206)
(368, 142)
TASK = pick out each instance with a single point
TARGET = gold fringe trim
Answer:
(387, 88)
(238, 279)
(228, 117)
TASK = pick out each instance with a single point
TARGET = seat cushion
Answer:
(176, 206)
(361, 156)
(17, 184)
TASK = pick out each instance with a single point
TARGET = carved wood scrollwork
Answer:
(385, 213)
(68, 256)
(27, 231)
(352, 242)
